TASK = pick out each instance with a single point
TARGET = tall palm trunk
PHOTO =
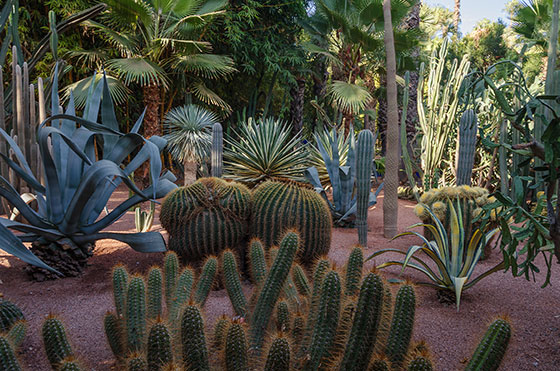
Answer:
(152, 102)
(189, 172)
(390, 200)
(457, 16)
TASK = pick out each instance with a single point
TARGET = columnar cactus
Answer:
(8, 360)
(9, 314)
(217, 150)
(183, 292)
(56, 343)
(114, 332)
(468, 127)
(236, 357)
(195, 354)
(233, 283)
(278, 358)
(120, 285)
(17, 333)
(282, 205)
(491, 349)
(206, 280)
(159, 351)
(364, 164)
(136, 313)
(257, 261)
(171, 274)
(400, 333)
(206, 217)
(155, 279)
(354, 271)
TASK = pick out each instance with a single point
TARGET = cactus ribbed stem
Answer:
(120, 283)
(233, 283)
(56, 343)
(278, 358)
(171, 273)
(422, 363)
(321, 269)
(298, 328)
(468, 127)
(9, 314)
(364, 163)
(283, 317)
(491, 349)
(354, 271)
(220, 332)
(17, 333)
(136, 362)
(182, 292)
(362, 337)
(114, 332)
(379, 364)
(236, 348)
(270, 292)
(300, 280)
(136, 313)
(217, 150)
(155, 280)
(401, 325)
(8, 360)
(70, 364)
(257, 262)
(327, 321)
(206, 280)
(195, 354)
(159, 350)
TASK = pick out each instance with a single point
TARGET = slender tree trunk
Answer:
(390, 200)
(457, 16)
(296, 106)
(189, 173)
(151, 125)
(382, 114)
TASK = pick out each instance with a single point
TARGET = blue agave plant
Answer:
(83, 163)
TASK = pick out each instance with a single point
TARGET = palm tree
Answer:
(159, 43)
(457, 16)
(390, 200)
(188, 137)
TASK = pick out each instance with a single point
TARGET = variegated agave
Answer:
(454, 256)
(83, 162)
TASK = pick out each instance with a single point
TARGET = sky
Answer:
(473, 11)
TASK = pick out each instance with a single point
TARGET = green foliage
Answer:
(485, 44)
(79, 183)
(212, 207)
(262, 150)
(491, 349)
(282, 205)
(55, 341)
(342, 178)
(9, 314)
(455, 256)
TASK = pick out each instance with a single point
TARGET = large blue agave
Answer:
(78, 182)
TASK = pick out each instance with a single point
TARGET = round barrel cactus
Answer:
(206, 217)
(279, 205)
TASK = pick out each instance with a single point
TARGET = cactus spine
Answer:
(120, 283)
(17, 333)
(217, 150)
(364, 163)
(136, 313)
(8, 360)
(354, 271)
(257, 261)
(114, 333)
(171, 271)
(278, 358)
(281, 205)
(136, 362)
(283, 317)
(236, 348)
(195, 354)
(421, 363)
(9, 314)
(491, 349)
(300, 280)
(327, 321)
(206, 280)
(56, 343)
(468, 127)
(159, 347)
(69, 364)
(401, 325)
(270, 292)
(155, 279)
(233, 283)
(182, 292)
(379, 363)
(220, 332)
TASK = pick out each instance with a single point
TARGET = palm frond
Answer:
(188, 132)
(138, 70)
(208, 96)
(81, 89)
(348, 97)
(89, 58)
(205, 65)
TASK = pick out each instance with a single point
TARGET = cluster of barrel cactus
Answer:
(206, 217)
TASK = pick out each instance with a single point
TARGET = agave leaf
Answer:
(413, 266)
(12, 245)
(497, 267)
(9, 193)
(458, 283)
(30, 180)
(138, 123)
(50, 234)
(142, 242)
(19, 155)
(415, 258)
(108, 117)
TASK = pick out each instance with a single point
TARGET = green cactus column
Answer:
(56, 343)
(8, 360)
(401, 325)
(468, 127)
(217, 150)
(491, 349)
(364, 163)
(9, 314)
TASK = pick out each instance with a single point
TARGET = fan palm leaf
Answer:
(348, 97)
(211, 66)
(138, 70)
(208, 96)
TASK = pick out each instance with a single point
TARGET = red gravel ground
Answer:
(451, 335)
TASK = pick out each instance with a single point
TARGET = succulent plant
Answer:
(205, 218)
(282, 205)
(217, 150)
(9, 314)
(468, 128)
(364, 166)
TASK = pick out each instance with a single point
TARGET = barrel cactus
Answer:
(205, 218)
(280, 205)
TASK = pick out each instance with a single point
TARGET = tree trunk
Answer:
(151, 125)
(189, 172)
(390, 200)
(296, 106)
(382, 114)
(457, 16)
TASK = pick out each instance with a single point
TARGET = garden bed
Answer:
(451, 335)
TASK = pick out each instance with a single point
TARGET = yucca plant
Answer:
(83, 164)
(264, 149)
(188, 134)
(455, 257)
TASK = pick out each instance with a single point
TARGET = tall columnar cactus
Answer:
(183, 292)
(282, 205)
(491, 349)
(270, 292)
(171, 274)
(206, 217)
(136, 313)
(233, 283)
(9, 314)
(155, 279)
(56, 343)
(17, 333)
(217, 150)
(400, 333)
(468, 127)
(300, 280)
(257, 261)
(364, 163)
(120, 285)
(354, 271)
(236, 358)
(8, 360)
(195, 354)
(283, 316)
(206, 280)
(159, 351)
(114, 331)
(220, 332)
(278, 358)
